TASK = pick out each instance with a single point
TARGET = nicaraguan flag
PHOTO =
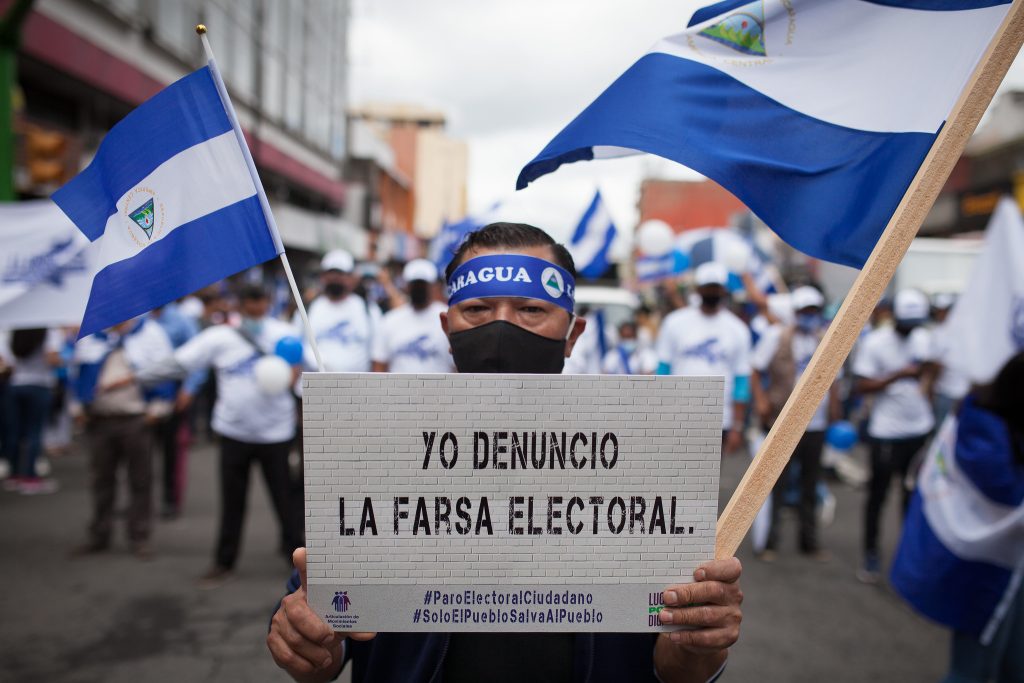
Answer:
(815, 113)
(986, 326)
(171, 202)
(961, 557)
(447, 241)
(592, 239)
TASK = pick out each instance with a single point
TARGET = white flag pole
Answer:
(764, 471)
(264, 203)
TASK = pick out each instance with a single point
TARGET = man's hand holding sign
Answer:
(511, 311)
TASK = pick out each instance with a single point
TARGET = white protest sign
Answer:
(506, 502)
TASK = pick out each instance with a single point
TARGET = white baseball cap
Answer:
(419, 269)
(338, 259)
(943, 300)
(806, 297)
(910, 305)
(711, 273)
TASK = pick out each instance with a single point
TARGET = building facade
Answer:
(84, 64)
(434, 164)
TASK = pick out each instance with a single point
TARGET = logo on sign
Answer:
(146, 214)
(553, 283)
(341, 601)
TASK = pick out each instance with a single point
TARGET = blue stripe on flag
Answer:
(588, 215)
(711, 11)
(180, 116)
(599, 265)
(941, 5)
(985, 460)
(807, 179)
(192, 256)
(927, 574)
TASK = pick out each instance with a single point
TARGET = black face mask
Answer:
(419, 294)
(710, 301)
(903, 329)
(335, 290)
(500, 346)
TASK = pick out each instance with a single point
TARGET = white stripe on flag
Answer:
(810, 50)
(584, 251)
(198, 181)
(968, 523)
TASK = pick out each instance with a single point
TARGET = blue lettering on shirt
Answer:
(243, 367)
(418, 348)
(707, 349)
(342, 334)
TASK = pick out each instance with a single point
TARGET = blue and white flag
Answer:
(961, 556)
(816, 114)
(592, 239)
(170, 202)
(443, 246)
(655, 268)
(46, 266)
(986, 327)
(728, 247)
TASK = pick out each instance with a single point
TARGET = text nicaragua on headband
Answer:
(515, 275)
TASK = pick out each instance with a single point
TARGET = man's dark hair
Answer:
(251, 292)
(510, 235)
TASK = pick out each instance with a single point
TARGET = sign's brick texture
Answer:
(364, 437)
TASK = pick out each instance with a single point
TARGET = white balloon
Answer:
(736, 257)
(655, 238)
(273, 375)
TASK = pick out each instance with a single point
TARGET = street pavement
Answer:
(114, 618)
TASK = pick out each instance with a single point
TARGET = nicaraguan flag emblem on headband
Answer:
(515, 275)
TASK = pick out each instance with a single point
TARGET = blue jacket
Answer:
(419, 657)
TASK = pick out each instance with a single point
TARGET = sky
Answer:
(509, 76)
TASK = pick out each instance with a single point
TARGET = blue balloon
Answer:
(841, 435)
(290, 349)
(735, 283)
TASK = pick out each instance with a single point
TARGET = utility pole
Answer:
(10, 35)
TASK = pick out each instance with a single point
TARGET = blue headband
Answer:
(512, 275)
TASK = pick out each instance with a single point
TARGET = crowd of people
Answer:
(151, 385)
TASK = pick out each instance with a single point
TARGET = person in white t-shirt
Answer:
(629, 357)
(709, 340)
(951, 383)
(587, 355)
(779, 359)
(891, 364)
(410, 338)
(343, 322)
(253, 426)
(32, 356)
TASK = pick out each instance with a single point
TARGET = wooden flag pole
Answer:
(763, 472)
(261, 194)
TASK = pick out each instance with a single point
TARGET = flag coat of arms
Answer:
(816, 114)
(169, 202)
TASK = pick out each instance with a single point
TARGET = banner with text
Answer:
(506, 502)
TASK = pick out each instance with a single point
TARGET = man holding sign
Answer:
(513, 324)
